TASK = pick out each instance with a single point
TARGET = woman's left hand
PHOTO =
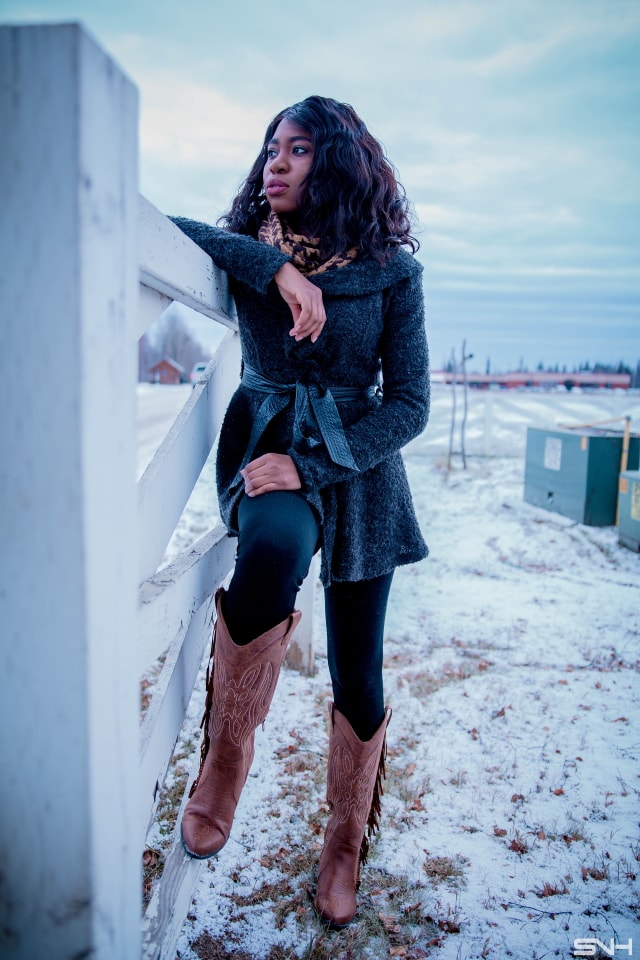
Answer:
(304, 300)
(272, 471)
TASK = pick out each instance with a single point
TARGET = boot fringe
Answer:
(373, 820)
(206, 716)
(288, 626)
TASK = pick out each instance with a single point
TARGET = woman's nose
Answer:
(279, 162)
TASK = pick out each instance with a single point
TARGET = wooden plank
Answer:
(172, 264)
(69, 704)
(167, 483)
(169, 598)
(169, 705)
(169, 905)
(179, 600)
(151, 306)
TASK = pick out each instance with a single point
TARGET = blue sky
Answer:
(514, 124)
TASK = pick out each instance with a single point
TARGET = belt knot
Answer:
(313, 404)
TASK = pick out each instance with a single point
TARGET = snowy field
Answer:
(510, 822)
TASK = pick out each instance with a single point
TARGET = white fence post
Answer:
(488, 424)
(301, 653)
(69, 835)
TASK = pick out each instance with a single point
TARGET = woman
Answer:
(334, 382)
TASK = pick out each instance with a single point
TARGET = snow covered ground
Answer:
(510, 823)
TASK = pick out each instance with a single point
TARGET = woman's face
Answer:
(289, 159)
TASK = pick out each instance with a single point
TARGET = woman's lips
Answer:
(275, 188)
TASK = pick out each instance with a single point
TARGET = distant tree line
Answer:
(172, 338)
(586, 367)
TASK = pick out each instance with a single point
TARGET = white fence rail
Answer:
(87, 265)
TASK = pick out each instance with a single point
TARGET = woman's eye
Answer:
(270, 154)
(299, 150)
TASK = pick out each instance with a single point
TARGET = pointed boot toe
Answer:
(335, 901)
(354, 787)
(201, 838)
(241, 681)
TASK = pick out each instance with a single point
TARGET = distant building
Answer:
(538, 380)
(167, 371)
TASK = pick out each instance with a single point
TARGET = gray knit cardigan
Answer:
(375, 322)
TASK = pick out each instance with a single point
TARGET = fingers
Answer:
(273, 471)
(310, 328)
(304, 300)
(256, 477)
(311, 317)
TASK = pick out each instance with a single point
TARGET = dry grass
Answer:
(392, 920)
(152, 867)
(148, 685)
(551, 889)
(215, 948)
(445, 869)
(168, 807)
(425, 683)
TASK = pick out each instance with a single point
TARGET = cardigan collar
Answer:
(366, 276)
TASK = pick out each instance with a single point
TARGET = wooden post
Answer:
(624, 460)
(488, 423)
(454, 377)
(465, 404)
(69, 828)
(301, 653)
(624, 456)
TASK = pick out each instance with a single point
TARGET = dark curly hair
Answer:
(351, 196)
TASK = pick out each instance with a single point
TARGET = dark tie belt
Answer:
(313, 406)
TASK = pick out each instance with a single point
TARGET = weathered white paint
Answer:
(164, 917)
(69, 853)
(169, 703)
(171, 596)
(77, 275)
(174, 266)
(151, 305)
(166, 484)
(189, 580)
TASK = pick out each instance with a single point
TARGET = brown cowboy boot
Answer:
(354, 788)
(241, 681)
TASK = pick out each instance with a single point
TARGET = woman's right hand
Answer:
(271, 471)
(304, 300)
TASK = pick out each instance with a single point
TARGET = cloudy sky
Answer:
(514, 124)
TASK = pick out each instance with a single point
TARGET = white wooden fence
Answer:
(86, 265)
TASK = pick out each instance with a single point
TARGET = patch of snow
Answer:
(510, 815)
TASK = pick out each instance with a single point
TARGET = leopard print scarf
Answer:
(304, 251)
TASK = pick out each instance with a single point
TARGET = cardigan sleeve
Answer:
(404, 409)
(242, 257)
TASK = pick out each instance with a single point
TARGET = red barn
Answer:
(167, 371)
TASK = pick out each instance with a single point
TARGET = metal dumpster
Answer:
(575, 472)
(629, 509)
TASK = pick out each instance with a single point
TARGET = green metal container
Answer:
(629, 509)
(575, 473)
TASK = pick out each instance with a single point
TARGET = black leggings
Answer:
(279, 533)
